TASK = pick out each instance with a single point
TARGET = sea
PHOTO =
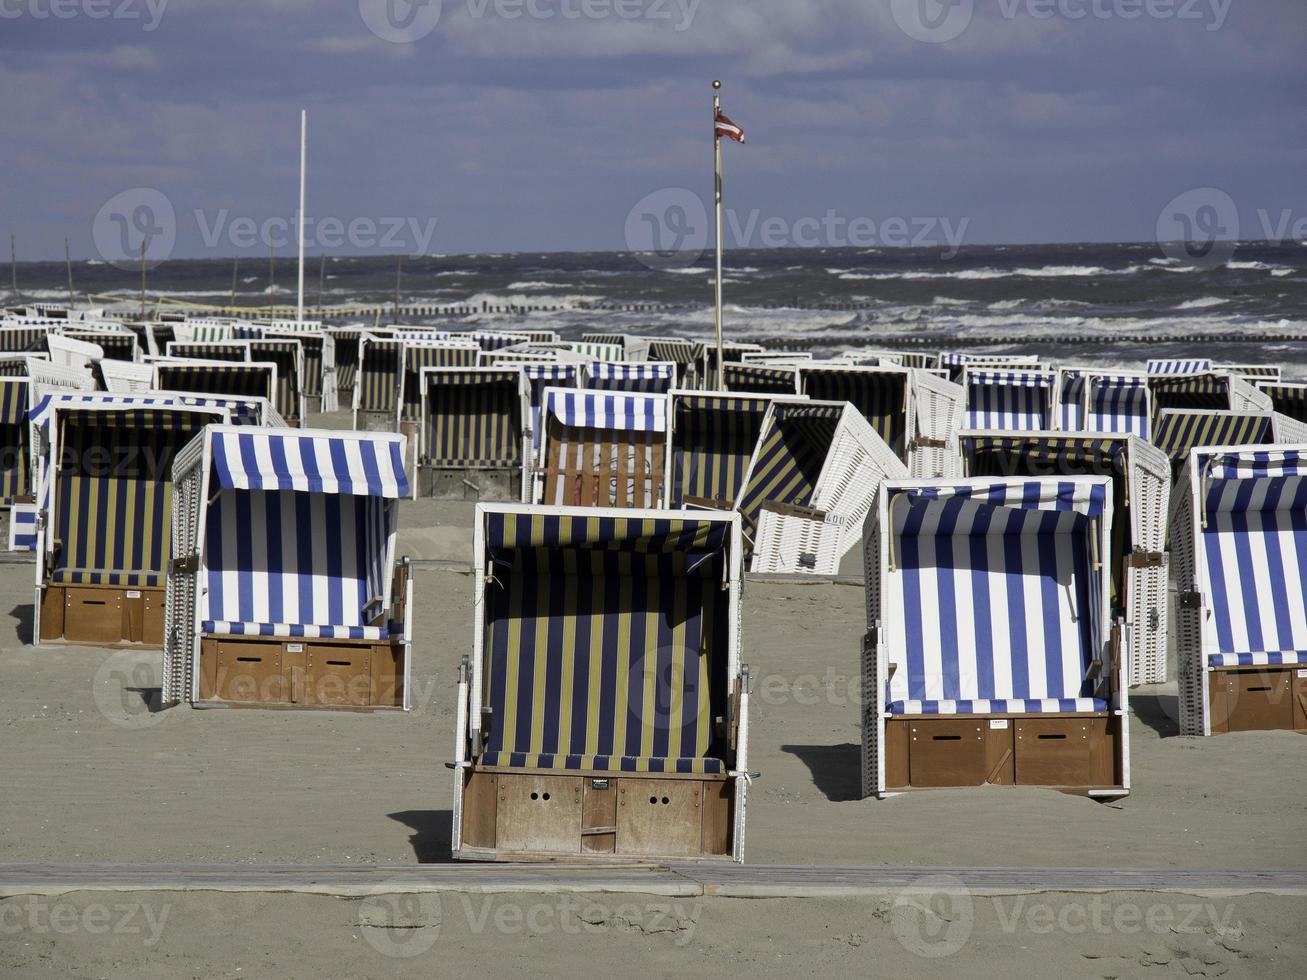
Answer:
(1112, 304)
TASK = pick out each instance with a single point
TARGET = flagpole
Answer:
(717, 170)
(304, 153)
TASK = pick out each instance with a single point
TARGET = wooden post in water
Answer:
(272, 273)
(68, 263)
(235, 267)
(142, 277)
(399, 275)
(322, 272)
(13, 264)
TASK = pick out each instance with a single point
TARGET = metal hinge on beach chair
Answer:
(1139, 558)
(1189, 600)
(186, 565)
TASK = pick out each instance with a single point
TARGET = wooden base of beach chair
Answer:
(1258, 699)
(464, 483)
(102, 615)
(1073, 752)
(271, 672)
(370, 421)
(556, 814)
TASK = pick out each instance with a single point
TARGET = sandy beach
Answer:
(94, 772)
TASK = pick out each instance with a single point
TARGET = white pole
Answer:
(304, 154)
(717, 164)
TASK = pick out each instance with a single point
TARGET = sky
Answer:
(453, 126)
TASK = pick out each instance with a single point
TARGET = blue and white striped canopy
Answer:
(607, 410)
(622, 371)
(1180, 366)
(1009, 400)
(363, 464)
(40, 415)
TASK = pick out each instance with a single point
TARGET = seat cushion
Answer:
(1000, 707)
(600, 763)
(1272, 658)
(123, 580)
(222, 627)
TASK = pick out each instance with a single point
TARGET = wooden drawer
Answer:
(1057, 751)
(659, 816)
(93, 615)
(947, 752)
(337, 675)
(538, 813)
(249, 671)
(1254, 700)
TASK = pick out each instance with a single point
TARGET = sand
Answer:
(90, 772)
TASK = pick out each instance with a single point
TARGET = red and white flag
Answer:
(728, 129)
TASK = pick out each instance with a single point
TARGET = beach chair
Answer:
(761, 379)
(318, 384)
(1013, 401)
(211, 350)
(103, 534)
(1239, 534)
(1141, 495)
(810, 485)
(16, 496)
(1252, 372)
(1178, 431)
(538, 379)
(1287, 397)
(246, 380)
(915, 413)
(1104, 401)
(774, 357)
(284, 589)
(603, 449)
(954, 362)
(651, 377)
(288, 355)
(679, 351)
(1210, 390)
(593, 351)
(23, 338)
(346, 343)
(115, 345)
(474, 444)
(713, 436)
(385, 366)
(705, 359)
(604, 712)
(990, 657)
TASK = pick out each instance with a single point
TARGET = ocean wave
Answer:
(1202, 303)
(531, 284)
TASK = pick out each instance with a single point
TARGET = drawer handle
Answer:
(1256, 690)
(339, 663)
(1052, 736)
(249, 660)
(946, 738)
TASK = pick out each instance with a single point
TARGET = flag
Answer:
(728, 129)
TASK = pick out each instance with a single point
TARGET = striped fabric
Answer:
(112, 508)
(1253, 372)
(995, 591)
(474, 418)
(291, 563)
(1195, 391)
(378, 380)
(1071, 401)
(488, 340)
(910, 359)
(881, 397)
(606, 643)
(21, 339)
(713, 439)
(1178, 431)
(1009, 400)
(1117, 404)
(1288, 399)
(312, 382)
(309, 460)
(676, 350)
(22, 527)
(116, 346)
(1254, 547)
(216, 379)
(1039, 454)
(600, 352)
(997, 707)
(593, 410)
(15, 475)
(1179, 366)
(416, 359)
(209, 352)
(347, 358)
(286, 355)
(614, 339)
(650, 378)
(761, 379)
(538, 378)
(789, 459)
